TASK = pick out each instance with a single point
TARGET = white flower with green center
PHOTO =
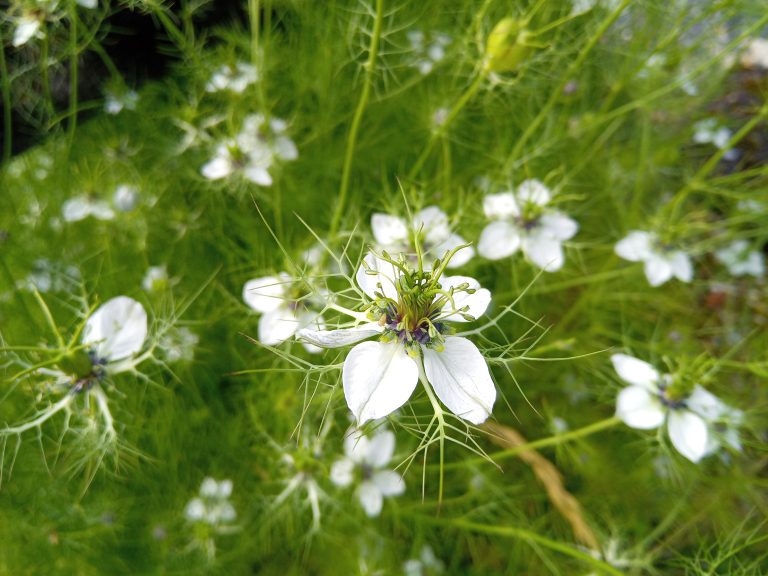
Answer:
(235, 78)
(522, 221)
(286, 307)
(84, 206)
(740, 260)
(660, 262)
(697, 422)
(410, 314)
(212, 505)
(435, 236)
(253, 152)
(365, 464)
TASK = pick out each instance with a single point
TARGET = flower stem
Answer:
(440, 425)
(370, 67)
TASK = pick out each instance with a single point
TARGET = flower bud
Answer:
(77, 364)
(507, 48)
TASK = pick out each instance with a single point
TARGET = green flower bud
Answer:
(77, 364)
(507, 46)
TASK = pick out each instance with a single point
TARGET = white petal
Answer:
(635, 246)
(706, 404)
(639, 408)
(26, 29)
(389, 230)
(459, 258)
(371, 498)
(285, 148)
(544, 250)
(500, 206)
(681, 266)
(688, 433)
(657, 270)
(258, 174)
(209, 488)
(267, 293)
(534, 192)
(88, 3)
(342, 472)
(381, 447)
(356, 445)
(378, 378)
(225, 488)
(339, 338)
(310, 320)
(433, 223)
(277, 325)
(634, 371)
(460, 378)
(195, 510)
(219, 167)
(389, 482)
(384, 273)
(76, 209)
(559, 225)
(498, 240)
(101, 210)
(477, 302)
(118, 328)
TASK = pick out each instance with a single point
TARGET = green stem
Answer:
(370, 67)
(440, 423)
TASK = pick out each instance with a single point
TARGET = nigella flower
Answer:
(710, 131)
(27, 27)
(285, 306)
(253, 152)
(116, 102)
(697, 422)
(410, 315)
(365, 463)
(522, 221)
(435, 237)
(428, 50)
(235, 78)
(426, 563)
(212, 505)
(155, 279)
(740, 260)
(81, 207)
(660, 262)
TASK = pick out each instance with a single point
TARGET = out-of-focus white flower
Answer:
(697, 424)
(212, 505)
(116, 102)
(253, 152)
(522, 221)
(427, 564)
(235, 78)
(81, 207)
(126, 198)
(284, 307)
(155, 279)
(48, 276)
(178, 344)
(741, 260)
(435, 236)
(27, 27)
(413, 313)
(428, 50)
(91, 4)
(660, 263)
(710, 131)
(364, 463)
(756, 54)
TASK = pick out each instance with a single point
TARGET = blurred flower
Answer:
(27, 27)
(426, 564)
(710, 131)
(435, 237)
(253, 151)
(48, 276)
(660, 262)
(81, 207)
(364, 463)
(740, 260)
(116, 102)
(212, 505)
(697, 422)
(126, 198)
(521, 220)
(756, 54)
(412, 312)
(235, 78)
(155, 279)
(179, 344)
(285, 306)
(427, 50)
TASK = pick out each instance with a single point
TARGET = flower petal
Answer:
(76, 209)
(118, 328)
(533, 191)
(381, 447)
(381, 272)
(389, 230)
(266, 293)
(639, 408)
(500, 206)
(635, 371)
(342, 472)
(219, 167)
(558, 225)
(433, 223)
(688, 433)
(258, 174)
(459, 258)
(459, 376)
(477, 303)
(277, 325)
(657, 270)
(635, 246)
(285, 148)
(341, 337)
(498, 240)
(310, 320)
(544, 250)
(371, 498)
(389, 482)
(681, 266)
(378, 378)
(706, 404)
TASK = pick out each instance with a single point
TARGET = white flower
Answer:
(114, 103)
(49, 276)
(253, 152)
(426, 563)
(521, 221)
(740, 260)
(427, 52)
(212, 505)
(660, 263)
(697, 424)
(412, 311)
(81, 207)
(155, 279)
(710, 131)
(367, 458)
(179, 344)
(116, 331)
(756, 54)
(235, 78)
(393, 235)
(283, 308)
(126, 198)
(27, 27)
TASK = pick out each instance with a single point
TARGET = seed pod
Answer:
(506, 48)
